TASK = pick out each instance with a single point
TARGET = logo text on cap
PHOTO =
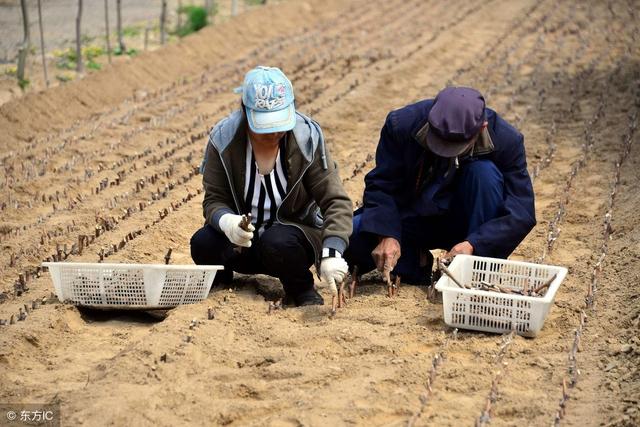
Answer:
(269, 96)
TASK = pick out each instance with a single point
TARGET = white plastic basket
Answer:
(490, 311)
(131, 286)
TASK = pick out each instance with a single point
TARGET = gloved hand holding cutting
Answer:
(230, 226)
(333, 271)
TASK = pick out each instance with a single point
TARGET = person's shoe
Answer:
(288, 301)
(308, 297)
(223, 278)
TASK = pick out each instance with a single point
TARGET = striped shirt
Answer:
(264, 193)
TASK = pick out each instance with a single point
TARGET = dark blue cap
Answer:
(455, 118)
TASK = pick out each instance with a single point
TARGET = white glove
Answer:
(230, 225)
(333, 271)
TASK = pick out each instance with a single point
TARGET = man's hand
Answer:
(463, 248)
(386, 254)
(333, 271)
(230, 225)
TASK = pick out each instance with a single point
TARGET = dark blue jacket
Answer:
(409, 180)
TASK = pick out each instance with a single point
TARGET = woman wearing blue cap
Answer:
(269, 161)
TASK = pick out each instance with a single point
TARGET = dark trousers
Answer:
(478, 198)
(281, 251)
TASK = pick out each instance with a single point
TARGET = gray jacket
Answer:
(315, 202)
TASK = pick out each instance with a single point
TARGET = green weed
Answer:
(93, 65)
(65, 59)
(23, 83)
(196, 20)
(11, 71)
(131, 51)
(132, 31)
(91, 52)
(64, 77)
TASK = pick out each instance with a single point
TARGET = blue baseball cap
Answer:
(267, 96)
(456, 117)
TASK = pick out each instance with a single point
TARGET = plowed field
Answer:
(118, 152)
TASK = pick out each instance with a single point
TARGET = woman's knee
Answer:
(285, 246)
(205, 244)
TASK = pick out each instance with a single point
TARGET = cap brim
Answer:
(446, 148)
(272, 121)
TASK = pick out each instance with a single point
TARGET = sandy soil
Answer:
(567, 74)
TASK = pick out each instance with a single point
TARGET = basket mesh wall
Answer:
(83, 285)
(183, 287)
(513, 276)
(492, 312)
(121, 286)
(137, 286)
(124, 287)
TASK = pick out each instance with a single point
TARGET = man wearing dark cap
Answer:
(450, 174)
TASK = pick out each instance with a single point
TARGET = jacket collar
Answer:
(483, 146)
(227, 130)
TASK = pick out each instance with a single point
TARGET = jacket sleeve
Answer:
(381, 214)
(218, 199)
(500, 236)
(325, 187)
